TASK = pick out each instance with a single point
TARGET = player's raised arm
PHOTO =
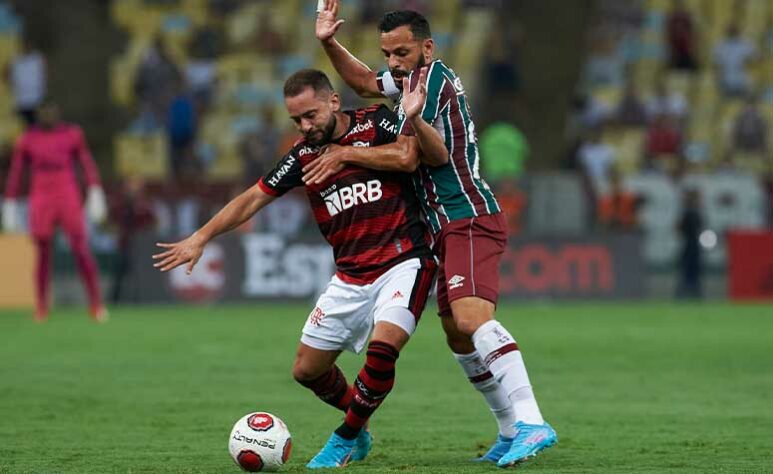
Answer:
(433, 148)
(354, 72)
(234, 214)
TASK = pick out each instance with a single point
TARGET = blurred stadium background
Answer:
(628, 141)
(598, 120)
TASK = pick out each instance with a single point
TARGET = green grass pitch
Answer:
(628, 387)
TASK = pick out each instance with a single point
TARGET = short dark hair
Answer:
(299, 81)
(414, 20)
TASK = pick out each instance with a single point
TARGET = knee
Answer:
(459, 344)
(467, 326)
(300, 374)
(457, 341)
(303, 373)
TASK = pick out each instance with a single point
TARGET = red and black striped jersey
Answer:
(371, 218)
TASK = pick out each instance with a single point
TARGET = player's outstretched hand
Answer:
(179, 253)
(413, 100)
(326, 165)
(327, 23)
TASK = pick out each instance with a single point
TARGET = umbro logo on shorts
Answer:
(455, 282)
(316, 316)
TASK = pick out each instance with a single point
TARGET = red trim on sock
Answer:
(499, 352)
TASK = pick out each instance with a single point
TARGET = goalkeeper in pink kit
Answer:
(50, 149)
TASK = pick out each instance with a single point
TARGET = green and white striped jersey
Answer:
(455, 190)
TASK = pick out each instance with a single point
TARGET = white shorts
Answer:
(345, 313)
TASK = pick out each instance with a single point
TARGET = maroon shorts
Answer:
(47, 213)
(469, 251)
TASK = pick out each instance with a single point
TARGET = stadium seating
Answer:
(730, 198)
(247, 81)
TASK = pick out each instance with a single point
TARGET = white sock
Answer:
(483, 380)
(501, 355)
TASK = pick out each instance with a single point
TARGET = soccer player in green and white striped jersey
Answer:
(469, 230)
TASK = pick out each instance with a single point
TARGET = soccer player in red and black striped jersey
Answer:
(385, 267)
(469, 229)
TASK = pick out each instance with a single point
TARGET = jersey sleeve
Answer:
(85, 159)
(286, 175)
(387, 86)
(436, 85)
(386, 125)
(437, 94)
(18, 161)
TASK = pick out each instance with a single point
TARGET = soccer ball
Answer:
(260, 442)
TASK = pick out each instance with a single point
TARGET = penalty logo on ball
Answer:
(260, 422)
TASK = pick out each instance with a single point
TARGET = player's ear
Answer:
(335, 101)
(428, 50)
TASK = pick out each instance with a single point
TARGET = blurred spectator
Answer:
(665, 102)
(223, 8)
(690, 265)
(268, 40)
(596, 159)
(200, 75)
(750, 130)
(631, 110)
(504, 150)
(587, 113)
(181, 126)
(207, 42)
(260, 149)
(606, 65)
(617, 208)
(663, 140)
(156, 80)
(680, 37)
(133, 214)
(201, 69)
(27, 77)
(501, 71)
(626, 16)
(371, 11)
(731, 56)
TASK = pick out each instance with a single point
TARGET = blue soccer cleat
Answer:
(336, 453)
(362, 445)
(500, 447)
(529, 440)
